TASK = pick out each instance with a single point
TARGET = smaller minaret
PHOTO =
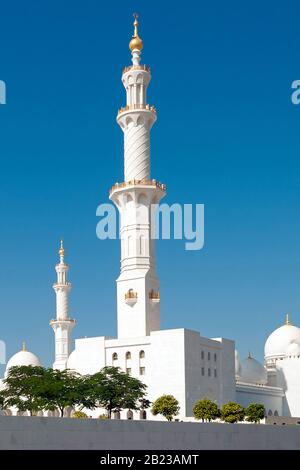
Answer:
(62, 325)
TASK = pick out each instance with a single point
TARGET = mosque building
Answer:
(179, 361)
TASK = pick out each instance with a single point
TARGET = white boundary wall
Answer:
(21, 432)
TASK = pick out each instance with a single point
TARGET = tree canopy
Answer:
(62, 389)
(206, 410)
(24, 388)
(232, 412)
(167, 406)
(33, 389)
(115, 390)
(255, 412)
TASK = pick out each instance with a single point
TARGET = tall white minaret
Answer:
(138, 295)
(62, 325)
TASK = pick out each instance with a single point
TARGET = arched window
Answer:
(208, 372)
(275, 413)
(270, 413)
(142, 354)
(128, 355)
(215, 357)
(143, 414)
(202, 354)
(208, 356)
(129, 414)
(115, 357)
(117, 415)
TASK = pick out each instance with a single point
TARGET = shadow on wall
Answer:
(281, 382)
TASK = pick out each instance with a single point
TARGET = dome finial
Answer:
(287, 321)
(61, 251)
(136, 43)
(24, 346)
(135, 24)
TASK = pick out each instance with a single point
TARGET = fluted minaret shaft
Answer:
(137, 117)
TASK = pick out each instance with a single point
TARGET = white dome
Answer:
(293, 349)
(72, 360)
(237, 364)
(278, 341)
(23, 358)
(253, 371)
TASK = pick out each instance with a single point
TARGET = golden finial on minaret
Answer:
(24, 346)
(136, 42)
(287, 321)
(61, 249)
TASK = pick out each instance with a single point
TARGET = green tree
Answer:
(255, 412)
(2, 401)
(80, 415)
(206, 410)
(24, 387)
(114, 390)
(62, 389)
(167, 406)
(232, 412)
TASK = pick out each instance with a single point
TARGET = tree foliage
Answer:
(255, 412)
(24, 388)
(33, 389)
(2, 400)
(79, 415)
(232, 412)
(62, 389)
(115, 390)
(206, 410)
(167, 406)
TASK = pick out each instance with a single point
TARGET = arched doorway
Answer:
(129, 414)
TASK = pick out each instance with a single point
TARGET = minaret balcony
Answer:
(136, 107)
(62, 284)
(59, 320)
(131, 297)
(127, 184)
(154, 296)
(136, 67)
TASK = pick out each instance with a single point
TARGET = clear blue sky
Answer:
(227, 136)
